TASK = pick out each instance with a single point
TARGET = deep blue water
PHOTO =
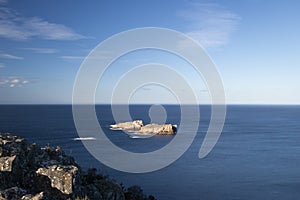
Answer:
(256, 157)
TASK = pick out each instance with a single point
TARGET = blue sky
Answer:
(254, 43)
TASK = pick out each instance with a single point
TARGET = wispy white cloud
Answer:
(13, 81)
(73, 57)
(15, 26)
(41, 50)
(100, 55)
(210, 24)
(10, 56)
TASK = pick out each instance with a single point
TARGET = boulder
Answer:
(39, 196)
(6, 163)
(61, 177)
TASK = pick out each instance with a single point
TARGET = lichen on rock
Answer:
(62, 177)
(6, 163)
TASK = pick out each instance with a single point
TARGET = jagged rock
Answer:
(30, 172)
(6, 163)
(62, 177)
(39, 196)
(6, 138)
(135, 125)
(165, 129)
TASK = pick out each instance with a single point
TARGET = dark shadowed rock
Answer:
(136, 193)
(110, 189)
(13, 193)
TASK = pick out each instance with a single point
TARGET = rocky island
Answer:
(29, 172)
(150, 129)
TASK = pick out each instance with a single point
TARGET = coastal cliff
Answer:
(29, 172)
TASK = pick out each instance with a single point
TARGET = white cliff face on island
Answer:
(151, 129)
(135, 125)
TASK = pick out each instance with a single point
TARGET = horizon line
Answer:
(228, 104)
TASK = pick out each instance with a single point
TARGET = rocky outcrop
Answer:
(6, 163)
(30, 172)
(152, 129)
(62, 177)
(164, 129)
(134, 125)
(39, 196)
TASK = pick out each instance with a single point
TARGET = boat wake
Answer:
(136, 135)
(84, 138)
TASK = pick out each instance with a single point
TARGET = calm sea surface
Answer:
(256, 157)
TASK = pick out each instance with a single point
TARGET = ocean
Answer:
(256, 157)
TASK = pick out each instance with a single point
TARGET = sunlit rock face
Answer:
(135, 125)
(151, 129)
(158, 129)
(6, 163)
(62, 176)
